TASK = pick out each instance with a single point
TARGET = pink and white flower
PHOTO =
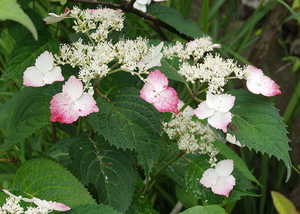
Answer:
(43, 72)
(157, 92)
(219, 179)
(258, 83)
(72, 102)
(53, 18)
(50, 205)
(216, 110)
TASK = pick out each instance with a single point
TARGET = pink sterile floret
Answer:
(157, 92)
(257, 83)
(43, 72)
(72, 102)
(48, 204)
(216, 109)
(53, 18)
(219, 179)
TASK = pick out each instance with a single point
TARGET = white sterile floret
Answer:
(191, 135)
(153, 58)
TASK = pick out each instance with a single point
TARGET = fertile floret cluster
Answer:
(98, 23)
(191, 135)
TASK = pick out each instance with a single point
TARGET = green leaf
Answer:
(170, 67)
(194, 172)
(127, 121)
(25, 53)
(62, 2)
(211, 209)
(185, 197)
(18, 31)
(109, 169)
(10, 9)
(48, 180)
(174, 18)
(92, 209)
(29, 111)
(257, 124)
(141, 205)
(238, 162)
(282, 204)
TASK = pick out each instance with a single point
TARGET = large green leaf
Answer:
(174, 18)
(141, 205)
(48, 180)
(127, 121)
(9, 9)
(29, 111)
(92, 209)
(211, 209)
(25, 53)
(109, 169)
(194, 172)
(257, 124)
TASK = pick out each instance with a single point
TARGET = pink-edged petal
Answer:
(167, 101)
(33, 77)
(220, 120)
(53, 75)
(73, 88)
(158, 80)
(203, 111)
(53, 18)
(148, 93)
(223, 103)
(224, 167)
(254, 73)
(9, 193)
(269, 87)
(59, 206)
(224, 186)
(44, 62)
(62, 109)
(209, 178)
(85, 105)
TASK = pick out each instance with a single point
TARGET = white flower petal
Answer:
(53, 75)
(139, 6)
(73, 88)
(203, 111)
(224, 186)
(33, 77)
(44, 62)
(220, 120)
(85, 105)
(209, 178)
(224, 167)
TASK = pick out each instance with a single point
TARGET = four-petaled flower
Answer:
(72, 102)
(53, 18)
(216, 109)
(157, 92)
(219, 179)
(257, 83)
(43, 72)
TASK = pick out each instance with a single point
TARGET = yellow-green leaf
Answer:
(282, 204)
(10, 9)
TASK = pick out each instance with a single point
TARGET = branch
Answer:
(128, 7)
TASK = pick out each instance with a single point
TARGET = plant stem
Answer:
(162, 169)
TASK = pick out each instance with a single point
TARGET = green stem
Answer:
(162, 169)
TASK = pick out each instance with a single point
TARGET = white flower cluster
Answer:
(191, 135)
(97, 22)
(206, 68)
(12, 205)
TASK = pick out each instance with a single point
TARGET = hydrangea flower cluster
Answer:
(191, 135)
(43, 207)
(100, 57)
